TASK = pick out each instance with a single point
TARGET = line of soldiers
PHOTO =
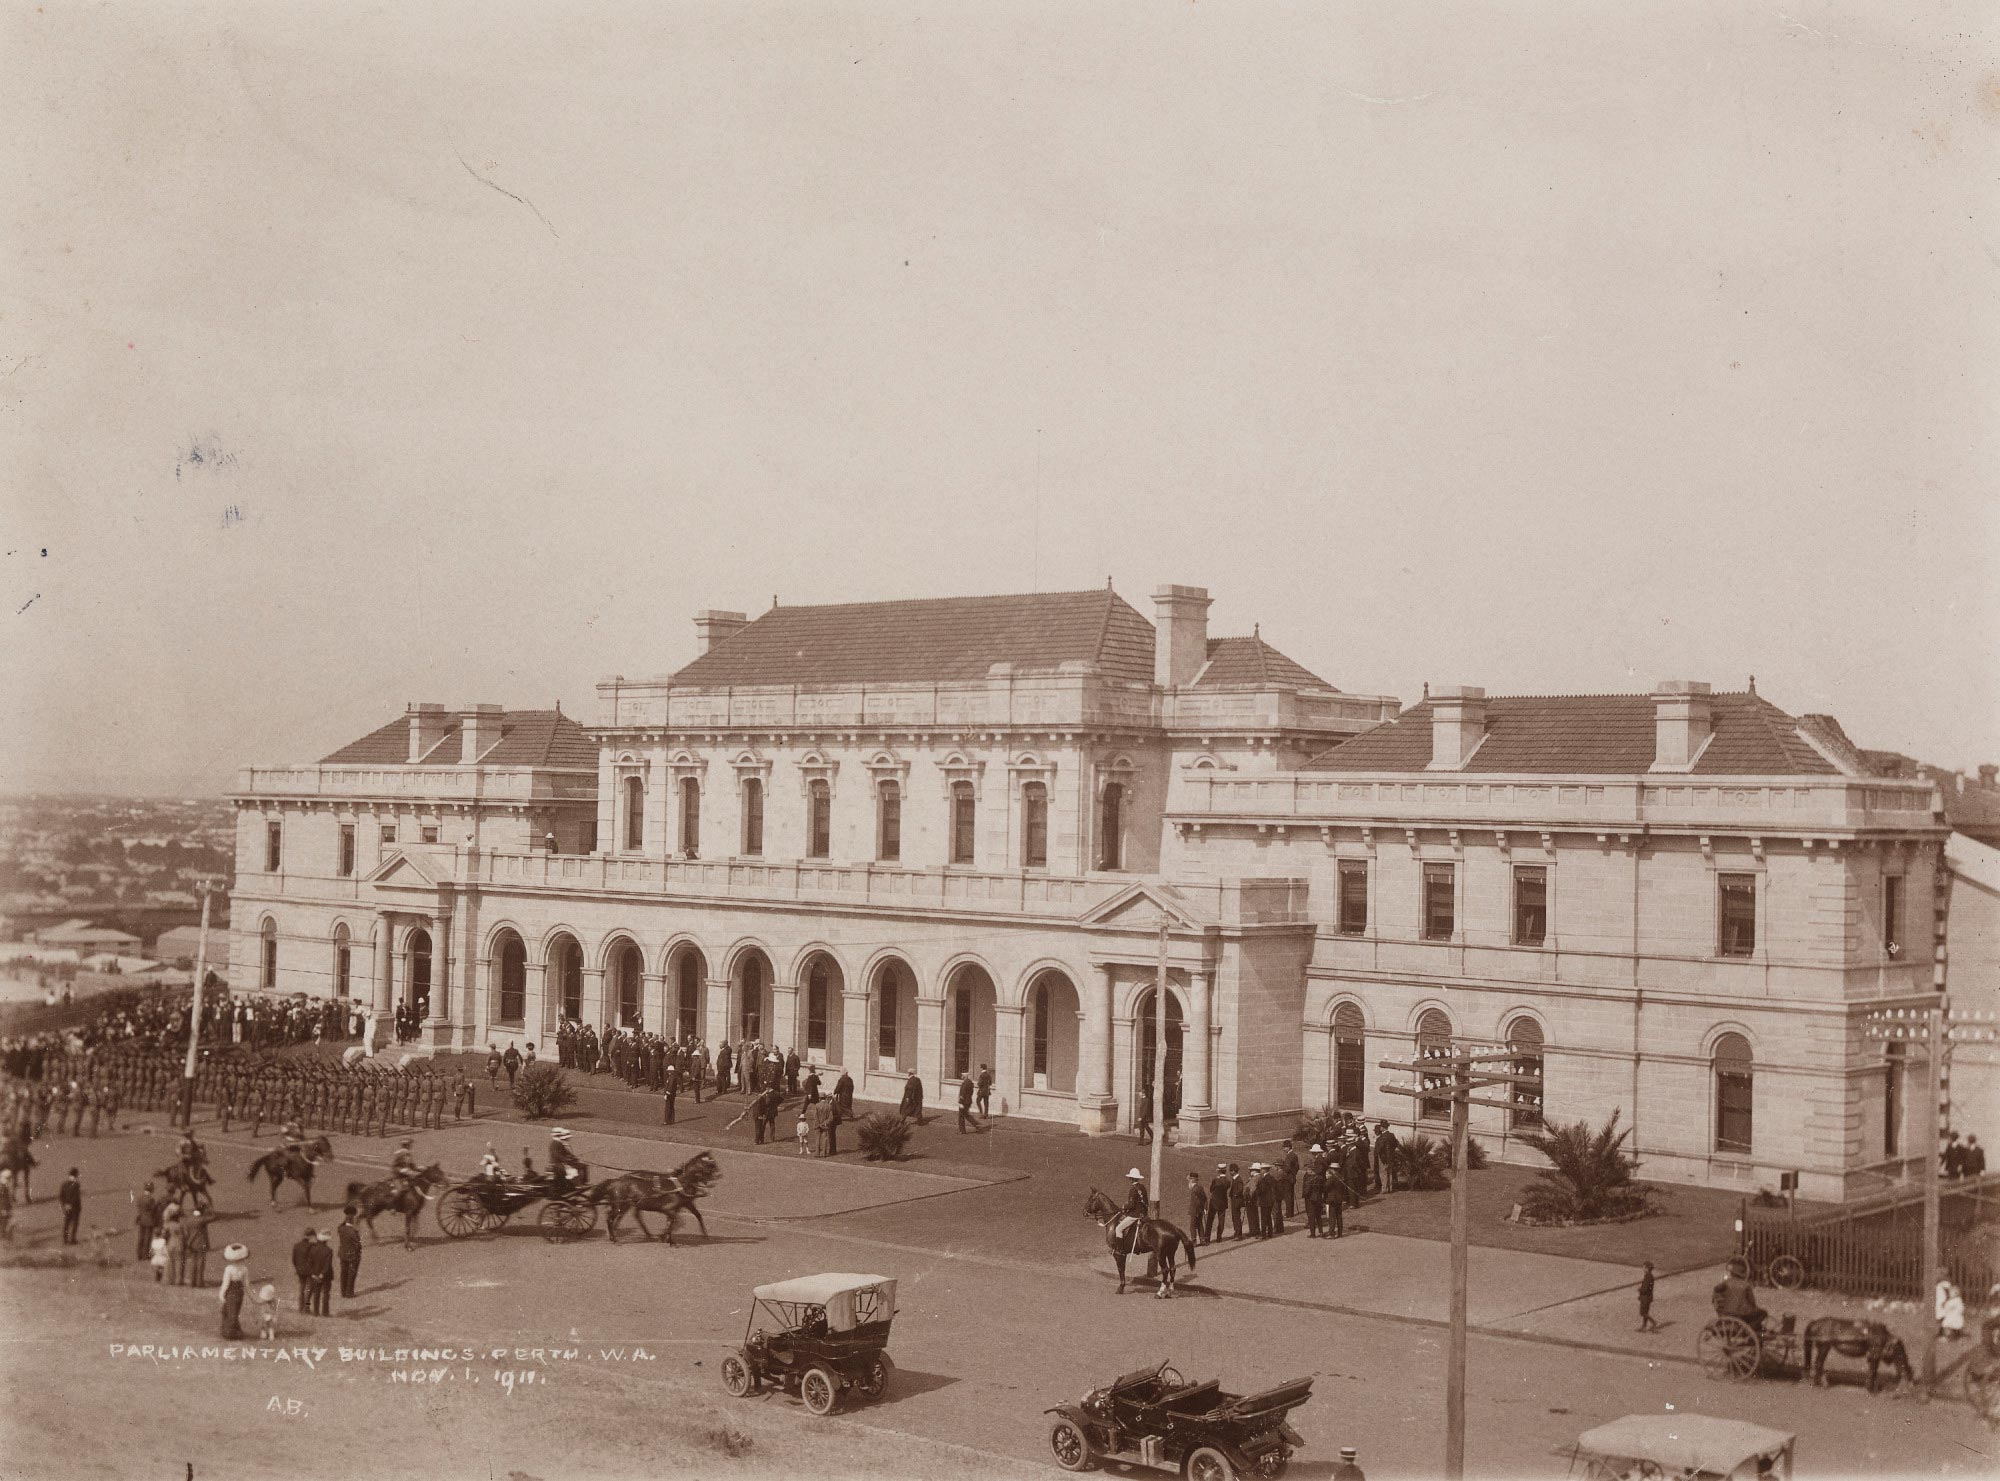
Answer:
(37, 1110)
(358, 1100)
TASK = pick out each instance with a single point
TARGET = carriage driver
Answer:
(564, 1165)
(1735, 1296)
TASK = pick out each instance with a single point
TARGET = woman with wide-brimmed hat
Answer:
(235, 1283)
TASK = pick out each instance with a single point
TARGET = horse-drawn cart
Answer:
(481, 1205)
(1731, 1348)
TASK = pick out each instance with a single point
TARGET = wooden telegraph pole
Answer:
(1457, 1074)
(1937, 1029)
(1159, 1066)
(194, 1014)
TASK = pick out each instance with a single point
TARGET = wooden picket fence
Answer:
(1880, 1252)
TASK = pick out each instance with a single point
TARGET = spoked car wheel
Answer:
(459, 1214)
(818, 1390)
(876, 1379)
(1206, 1463)
(736, 1380)
(1068, 1445)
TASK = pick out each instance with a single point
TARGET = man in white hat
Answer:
(564, 1166)
(1137, 1205)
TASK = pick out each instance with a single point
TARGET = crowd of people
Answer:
(1329, 1178)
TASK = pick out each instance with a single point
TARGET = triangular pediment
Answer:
(1141, 907)
(402, 871)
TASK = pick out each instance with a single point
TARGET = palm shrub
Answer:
(1426, 1163)
(882, 1135)
(1589, 1177)
(543, 1090)
(1321, 1126)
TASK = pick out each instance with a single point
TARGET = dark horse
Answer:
(187, 1184)
(670, 1193)
(394, 1195)
(17, 1159)
(297, 1165)
(1159, 1239)
(1853, 1339)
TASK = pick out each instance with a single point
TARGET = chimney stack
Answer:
(711, 627)
(1989, 775)
(478, 732)
(1680, 723)
(1180, 642)
(1458, 725)
(427, 727)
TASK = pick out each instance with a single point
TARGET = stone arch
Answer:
(1523, 1030)
(970, 998)
(821, 1031)
(685, 966)
(506, 977)
(1051, 1029)
(1144, 1026)
(624, 980)
(1347, 1073)
(892, 1014)
(1137, 992)
(1434, 1031)
(342, 938)
(751, 979)
(562, 977)
(1717, 1032)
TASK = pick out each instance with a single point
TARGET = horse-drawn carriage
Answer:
(1155, 1417)
(481, 1205)
(1738, 1349)
(819, 1336)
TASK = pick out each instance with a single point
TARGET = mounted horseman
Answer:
(1129, 1230)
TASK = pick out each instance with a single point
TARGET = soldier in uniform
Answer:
(669, 1087)
(403, 1166)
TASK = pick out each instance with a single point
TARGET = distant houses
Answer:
(87, 939)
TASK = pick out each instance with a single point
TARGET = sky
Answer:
(359, 355)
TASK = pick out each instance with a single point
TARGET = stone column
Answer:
(382, 1023)
(1009, 1076)
(536, 1014)
(929, 1059)
(593, 998)
(1096, 1107)
(721, 1018)
(783, 1029)
(857, 1055)
(1197, 1118)
(436, 1029)
(655, 1015)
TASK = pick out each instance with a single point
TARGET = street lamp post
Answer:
(1457, 1074)
(194, 1014)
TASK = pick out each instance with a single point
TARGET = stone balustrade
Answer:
(420, 783)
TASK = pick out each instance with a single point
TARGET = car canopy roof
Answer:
(850, 1300)
(1686, 1443)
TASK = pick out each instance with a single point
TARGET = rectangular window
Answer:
(1035, 826)
(346, 850)
(1440, 909)
(753, 817)
(819, 821)
(388, 834)
(1353, 892)
(1350, 1074)
(1531, 905)
(885, 1026)
(1737, 907)
(1892, 913)
(586, 836)
(889, 824)
(1732, 1110)
(962, 816)
(274, 846)
(1892, 1101)
(430, 833)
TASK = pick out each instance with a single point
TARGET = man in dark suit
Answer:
(1385, 1156)
(1336, 1201)
(1270, 1204)
(70, 1197)
(1237, 1196)
(792, 1071)
(303, 1261)
(349, 1235)
(965, 1093)
(1288, 1179)
(1315, 1195)
(321, 1262)
(843, 1096)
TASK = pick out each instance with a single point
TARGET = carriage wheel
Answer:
(1982, 1390)
(1728, 1348)
(459, 1213)
(1787, 1272)
(1206, 1463)
(876, 1379)
(819, 1391)
(1069, 1446)
(736, 1379)
(565, 1219)
(1271, 1465)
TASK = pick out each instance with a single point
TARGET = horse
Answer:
(18, 1160)
(1853, 1339)
(396, 1195)
(670, 1193)
(294, 1163)
(1159, 1238)
(187, 1184)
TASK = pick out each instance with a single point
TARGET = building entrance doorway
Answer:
(1143, 1078)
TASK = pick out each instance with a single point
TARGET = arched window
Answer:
(889, 823)
(511, 965)
(752, 1023)
(1434, 1042)
(819, 992)
(635, 813)
(1524, 1037)
(1111, 828)
(1733, 1097)
(628, 972)
(268, 955)
(819, 819)
(888, 1009)
(1350, 1069)
(1054, 1029)
(963, 814)
(1035, 825)
(690, 818)
(753, 816)
(566, 974)
(688, 994)
(343, 963)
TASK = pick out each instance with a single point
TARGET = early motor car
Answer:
(1680, 1447)
(822, 1337)
(1155, 1417)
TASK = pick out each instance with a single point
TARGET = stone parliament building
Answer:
(927, 835)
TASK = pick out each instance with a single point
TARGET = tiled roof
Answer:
(1589, 734)
(1970, 806)
(527, 738)
(937, 640)
(1252, 661)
